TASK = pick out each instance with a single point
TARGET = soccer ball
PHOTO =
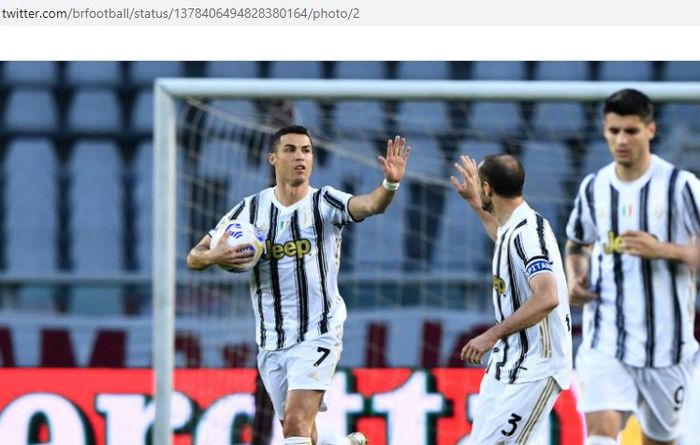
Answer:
(241, 232)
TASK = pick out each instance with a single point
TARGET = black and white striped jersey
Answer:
(645, 312)
(294, 287)
(526, 247)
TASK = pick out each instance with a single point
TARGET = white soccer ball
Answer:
(241, 232)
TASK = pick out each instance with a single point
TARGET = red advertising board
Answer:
(115, 406)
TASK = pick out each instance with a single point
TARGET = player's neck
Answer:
(632, 172)
(503, 208)
(288, 194)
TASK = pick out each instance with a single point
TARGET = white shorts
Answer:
(512, 413)
(655, 395)
(306, 365)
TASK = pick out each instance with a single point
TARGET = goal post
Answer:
(169, 91)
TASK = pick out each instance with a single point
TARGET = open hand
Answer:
(469, 187)
(394, 164)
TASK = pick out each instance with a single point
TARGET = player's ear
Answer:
(487, 188)
(271, 158)
(651, 128)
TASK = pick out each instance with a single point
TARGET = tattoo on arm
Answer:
(578, 259)
(577, 249)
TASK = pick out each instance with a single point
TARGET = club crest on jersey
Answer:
(614, 244)
(297, 249)
(499, 285)
(602, 213)
(306, 218)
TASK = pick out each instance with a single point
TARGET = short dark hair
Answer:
(292, 129)
(504, 173)
(630, 102)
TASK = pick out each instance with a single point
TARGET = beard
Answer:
(487, 206)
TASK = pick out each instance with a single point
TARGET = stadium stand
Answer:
(90, 123)
(360, 70)
(104, 74)
(627, 70)
(31, 110)
(43, 74)
(424, 70)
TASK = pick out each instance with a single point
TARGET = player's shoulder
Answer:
(259, 197)
(331, 195)
(666, 169)
(537, 224)
(526, 219)
(602, 174)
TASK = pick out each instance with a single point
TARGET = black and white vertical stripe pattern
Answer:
(321, 261)
(516, 301)
(647, 278)
(302, 286)
(275, 279)
(526, 247)
(294, 287)
(619, 276)
(499, 306)
(673, 270)
(253, 219)
(637, 295)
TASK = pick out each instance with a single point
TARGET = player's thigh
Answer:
(274, 377)
(606, 384)
(663, 396)
(311, 363)
(490, 391)
(518, 414)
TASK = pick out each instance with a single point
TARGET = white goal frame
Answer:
(168, 90)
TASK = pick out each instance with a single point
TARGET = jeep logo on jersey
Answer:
(297, 249)
(614, 244)
(499, 285)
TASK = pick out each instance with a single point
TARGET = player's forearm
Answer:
(488, 220)
(530, 313)
(578, 260)
(199, 258)
(686, 254)
(373, 203)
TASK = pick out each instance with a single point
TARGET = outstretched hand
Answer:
(394, 164)
(469, 187)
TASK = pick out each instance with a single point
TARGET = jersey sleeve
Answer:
(690, 207)
(581, 227)
(337, 204)
(532, 248)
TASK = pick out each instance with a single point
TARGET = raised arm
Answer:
(469, 190)
(394, 167)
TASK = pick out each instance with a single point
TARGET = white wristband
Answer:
(391, 186)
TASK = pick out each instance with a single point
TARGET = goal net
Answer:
(416, 279)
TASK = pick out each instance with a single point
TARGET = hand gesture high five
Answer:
(469, 188)
(394, 164)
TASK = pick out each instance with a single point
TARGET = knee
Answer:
(296, 425)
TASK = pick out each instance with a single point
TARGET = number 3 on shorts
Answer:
(514, 419)
(324, 353)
